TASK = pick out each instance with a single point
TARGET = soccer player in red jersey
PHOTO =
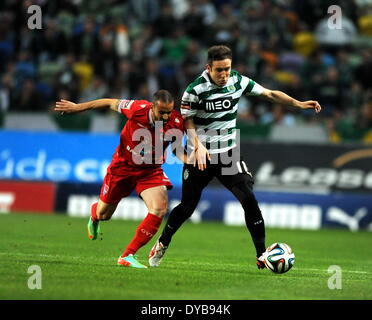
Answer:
(136, 163)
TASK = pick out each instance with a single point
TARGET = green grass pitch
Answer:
(207, 261)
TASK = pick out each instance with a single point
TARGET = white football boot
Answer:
(156, 254)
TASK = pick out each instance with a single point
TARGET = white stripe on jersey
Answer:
(218, 125)
(256, 90)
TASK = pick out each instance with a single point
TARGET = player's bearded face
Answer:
(162, 110)
(219, 71)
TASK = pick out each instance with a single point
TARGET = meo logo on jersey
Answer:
(221, 104)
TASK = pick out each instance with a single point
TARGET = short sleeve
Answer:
(130, 107)
(189, 103)
(253, 88)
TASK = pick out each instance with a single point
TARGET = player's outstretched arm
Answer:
(280, 97)
(65, 106)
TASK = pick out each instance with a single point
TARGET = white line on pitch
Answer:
(78, 257)
(324, 270)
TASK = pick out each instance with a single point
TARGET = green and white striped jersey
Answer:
(214, 109)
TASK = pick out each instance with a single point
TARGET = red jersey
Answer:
(143, 142)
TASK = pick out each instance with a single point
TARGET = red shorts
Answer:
(115, 187)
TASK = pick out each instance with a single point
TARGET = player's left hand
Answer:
(311, 104)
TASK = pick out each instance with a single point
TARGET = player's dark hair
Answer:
(217, 53)
(163, 96)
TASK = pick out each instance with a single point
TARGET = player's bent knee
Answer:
(160, 211)
(244, 193)
(187, 210)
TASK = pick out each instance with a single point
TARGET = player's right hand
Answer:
(201, 156)
(65, 106)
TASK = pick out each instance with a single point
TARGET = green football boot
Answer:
(93, 229)
(131, 261)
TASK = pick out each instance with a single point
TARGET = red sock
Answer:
(145, 231)
(93, 212)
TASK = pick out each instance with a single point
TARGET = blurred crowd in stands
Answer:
(89, 49)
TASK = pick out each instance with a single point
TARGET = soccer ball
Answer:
(279, 257)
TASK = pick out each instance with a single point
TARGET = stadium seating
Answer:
(104, 123)
(29, 121)
(305, 133)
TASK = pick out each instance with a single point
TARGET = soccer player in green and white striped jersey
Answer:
(209, 106)
(214, 108)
